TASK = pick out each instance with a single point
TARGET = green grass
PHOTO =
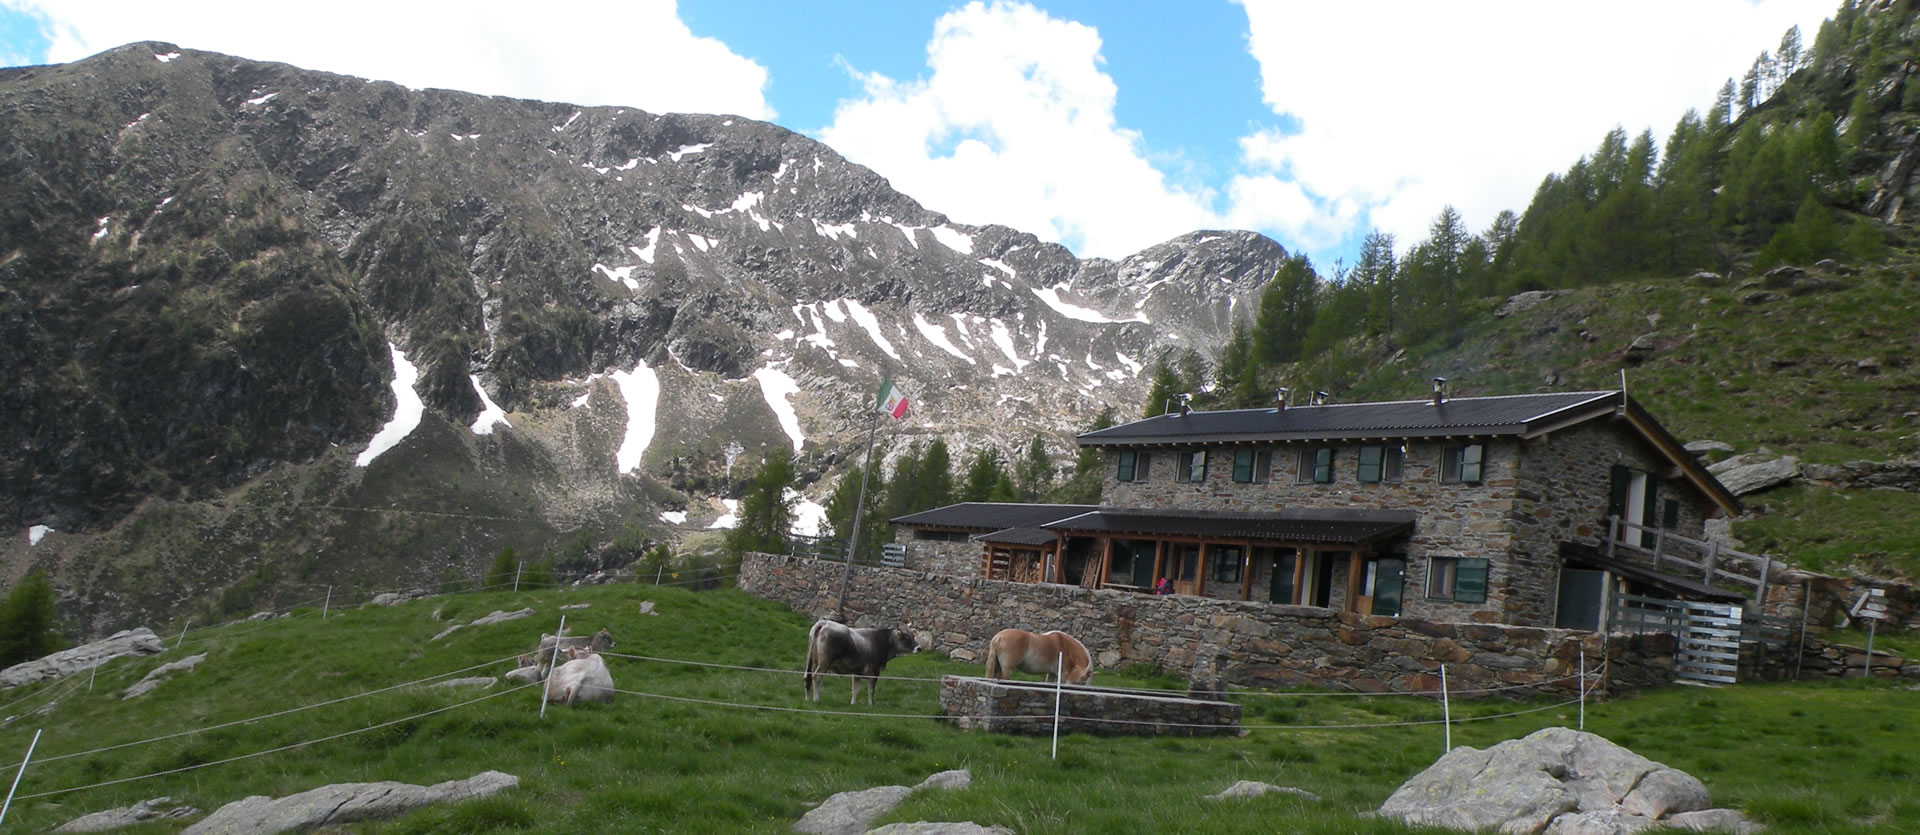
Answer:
(1836, 531)
(1804, 757)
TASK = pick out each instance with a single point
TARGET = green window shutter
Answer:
(1671, 517)
(1470, 581)
(1243, 466)
(1617, 496)
(1127, 467)
(1470, 458)
(1389, 585)
(1370, 463)
(1323, 466)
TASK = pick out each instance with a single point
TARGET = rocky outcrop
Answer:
(66, 662)
(1755, 471)
(160, 673)
(486, 620)
(851, 813)
(159, 808)
(343, 803)
(1254, 788)
(1555, 780)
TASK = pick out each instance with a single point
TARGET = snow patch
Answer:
(808, 515)
(849, 363)
(834, 312)
(1051, 296)
(628, 165)
(700, 242)
(37, 533)
(729, 519)
(938, 336)
(1004, 339)
(566, 124)
(641, 389)
(872, 324)
(777, 387)
(784, 335)
(684, 150)
(624, 275)
(835, 230)
(490, 414)
(102, 231)
(406, 411)
(1127, 361)
(261, 100)
(674, 517)
(998, 265)
(782, 170)
(167, 58)
(908, 231)
(954, 239)
(646, 253)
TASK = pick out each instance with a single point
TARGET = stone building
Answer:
(1475, 509)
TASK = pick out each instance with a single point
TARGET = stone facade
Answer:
(957, 557)
(1245, 643)
(1027, 707)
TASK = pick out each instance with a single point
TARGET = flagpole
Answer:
(859, 513)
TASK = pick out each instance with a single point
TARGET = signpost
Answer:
(1872, 606)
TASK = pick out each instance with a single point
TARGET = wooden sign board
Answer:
(1871, 605)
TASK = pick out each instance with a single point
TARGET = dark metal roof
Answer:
(1585, 555)
(1020, 536)
(1292, 525)
(990, 516)
(1504, 415)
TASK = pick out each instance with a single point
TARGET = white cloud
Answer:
(1015, 126)
(1404, 107)
(596, 52)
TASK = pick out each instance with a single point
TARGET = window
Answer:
(1133, 466)
(1316, 465)
(1193, 465)
(1462, 464)
(1670, 515)
(1252, 466)
(1379, 463)
(1633, 498)
(1458, 579)
(1225, 565)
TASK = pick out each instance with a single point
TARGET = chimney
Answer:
(1282, 400)
(1320, 398)
(1183, 398)
(1439, 390)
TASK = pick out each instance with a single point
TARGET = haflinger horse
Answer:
(1043, 652)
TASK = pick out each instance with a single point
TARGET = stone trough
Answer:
(1026, 707)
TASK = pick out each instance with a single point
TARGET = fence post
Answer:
(1800, 647)
(328, 603)
(1059, 674)
(183, 634)
(656, 572)
(553, 657)
(516, 575)
(1659, 546)
(1583, 689)
(17, 775)
(1866, 664)
(1446, 710)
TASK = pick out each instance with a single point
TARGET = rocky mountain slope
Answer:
(212, 270)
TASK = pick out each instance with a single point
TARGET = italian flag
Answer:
(893, 401)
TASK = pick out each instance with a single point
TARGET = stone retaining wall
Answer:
(1245, 643)
(1027, 707)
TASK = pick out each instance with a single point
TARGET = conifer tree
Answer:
(1089, 458)
(841, 510)
(1165, 385)
(936, 478)
(1036, 471)
(26, 621)
(766, 511)
(982, 475)
(1286, 311)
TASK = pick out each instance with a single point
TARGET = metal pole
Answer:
(1866, 664)
(859, 514)
(328, 603)
(1583, 689)
(516, 575)
(17, 775)
(1059, 675)
(1806, 602)
(656, 573)
(183, 634)
(1446, 710)
(92, 673)
(552, 658)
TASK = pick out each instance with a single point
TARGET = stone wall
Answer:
(1253, 644)
(1027, 707)
(957, 558)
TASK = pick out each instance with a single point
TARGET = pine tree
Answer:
(766, 511)
(26, 621)
(1234, 358)
(1788, 58)
(936, 478)
(1379, 270)
(500, 574)
(982, 475)
(1036, 471)
(1165, 385)
(1088, 460)
(842, 509)
(1286, 311)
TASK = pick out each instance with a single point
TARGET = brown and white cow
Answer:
(834, 647)
(583, 678)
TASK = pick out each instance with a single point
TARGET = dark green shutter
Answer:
(1323, 466)
(1243, 466)
(1617, 497)
(1126, 466)
(1671, 517)
(1470, 581)
(1470, 462)
(1389, 583)
(1370, 463)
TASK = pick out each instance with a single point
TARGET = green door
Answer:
(1389, 581)
(1281, 581)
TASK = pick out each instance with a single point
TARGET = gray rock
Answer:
(929, 828)
(1522, 301)
(1698, 447)
(140, 641)
(1604, 822)
(1759, 297)
(1715, 820)
(160, 673)
(1752, 472)
(1644, 343)
(1254, 788)
(1524, 785)
(1780, 278)
(159, 808)
(1710, 279)
(343, 803)
(491, 618)
(851, 813)
(390, 598)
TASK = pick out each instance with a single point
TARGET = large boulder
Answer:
(1755, 471)
(140, 641)
(1555, 780)
(851, 813)
(342, 803)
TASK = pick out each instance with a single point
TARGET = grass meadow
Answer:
(710, 733)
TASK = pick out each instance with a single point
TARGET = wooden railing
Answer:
(1711, 566)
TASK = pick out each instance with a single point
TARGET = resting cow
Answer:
(1044, 652)
(550, 646)
(838, 648)
(585, 678)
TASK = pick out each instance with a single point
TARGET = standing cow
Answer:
(834, 647)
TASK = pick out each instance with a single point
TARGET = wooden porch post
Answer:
(1246, 570)
(1300, 575)
(1159, 554)
(1106, 561)
(1353, 580)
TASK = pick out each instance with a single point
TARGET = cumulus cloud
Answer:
(1405, 106)
(596, 52)
(1015, 125)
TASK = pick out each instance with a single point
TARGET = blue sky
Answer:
(1105, 126)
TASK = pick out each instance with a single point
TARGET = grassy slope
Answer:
(1810, 757)
(1784, 375)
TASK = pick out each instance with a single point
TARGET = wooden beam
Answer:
(1299, 575)
(1106, 561)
